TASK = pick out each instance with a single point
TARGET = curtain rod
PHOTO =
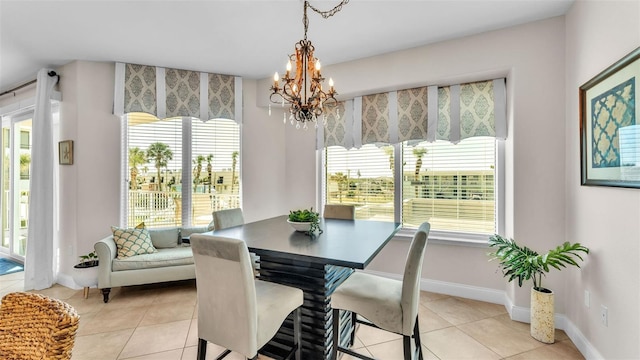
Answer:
(50, 73)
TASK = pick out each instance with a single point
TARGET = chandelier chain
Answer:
(324, 14)
(329, 13)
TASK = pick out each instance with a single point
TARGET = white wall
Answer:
(606, 219)
(263, 164)
(90, 188)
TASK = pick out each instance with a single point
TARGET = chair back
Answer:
(34, 326)
(223, 219)
(339, 212)
(227, 310)
(411, 280)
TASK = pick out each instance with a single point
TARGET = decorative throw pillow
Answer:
(141, 226)
(132, 242)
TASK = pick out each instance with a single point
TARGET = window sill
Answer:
(448, 238)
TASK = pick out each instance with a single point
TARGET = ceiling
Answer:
(240, 37)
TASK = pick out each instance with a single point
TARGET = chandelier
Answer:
(302, 87)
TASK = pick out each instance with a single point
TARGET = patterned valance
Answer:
(335, 129)
(472, 109)
(168, 93)
(375, 119)
(451, 113)
(412, 114)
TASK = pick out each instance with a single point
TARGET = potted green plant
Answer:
(85, 273)
(521, 263)
(304, 220)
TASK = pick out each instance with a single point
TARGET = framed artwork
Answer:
(65, 152)
(610, 125)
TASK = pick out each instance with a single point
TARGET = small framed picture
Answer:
(610, 125)
(65, 152)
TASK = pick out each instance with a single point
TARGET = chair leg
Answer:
(105, 294)
(336, 334)
(406, 345)
(224, 353)
(416, 338)
(297, 337)
(354, 323)
(202, 349)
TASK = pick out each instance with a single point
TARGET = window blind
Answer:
(157, 178)
(154, 157)
(362, 177)
(451, 186)
(215, 160)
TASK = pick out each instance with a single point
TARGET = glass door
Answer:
(16, 172)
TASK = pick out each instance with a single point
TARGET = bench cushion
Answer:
(176, 256)
(163, 238)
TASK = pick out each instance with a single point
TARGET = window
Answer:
(452, 186)
(363, 177)
(423, 154)
(166, 189)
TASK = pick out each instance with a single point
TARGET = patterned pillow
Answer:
(132, 242)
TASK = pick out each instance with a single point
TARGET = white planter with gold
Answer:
(542, 316)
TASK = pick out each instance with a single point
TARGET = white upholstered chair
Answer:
(223, 219)
(332, 211)
(235, 310)
(388, 304)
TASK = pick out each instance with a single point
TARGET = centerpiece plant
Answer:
(522, 263)
(306, 216)
(88, 260)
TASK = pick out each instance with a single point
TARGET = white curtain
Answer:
(39, 261)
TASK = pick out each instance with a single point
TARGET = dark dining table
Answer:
(315, 264)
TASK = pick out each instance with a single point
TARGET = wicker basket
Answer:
(34, 326)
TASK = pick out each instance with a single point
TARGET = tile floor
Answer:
(159, 322)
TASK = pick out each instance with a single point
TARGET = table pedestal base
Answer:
(318, 283)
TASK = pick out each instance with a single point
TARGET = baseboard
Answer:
(67, 281)
(581, 342)
(523, 314)
(465, 291)
(517, 313)
(454, 289)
